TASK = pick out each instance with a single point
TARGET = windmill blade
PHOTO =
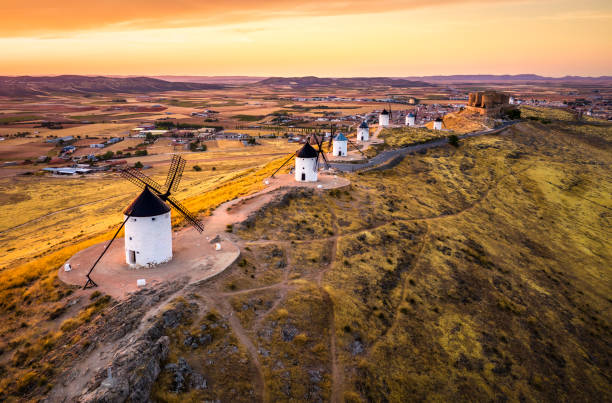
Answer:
(324, 159)
(189, 216)
(141, 180)
(321, 153)
(355, 147)
(175, 173)
(331, 135)
(284, 163)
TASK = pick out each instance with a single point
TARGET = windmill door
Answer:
(132, 254)
(303, 176)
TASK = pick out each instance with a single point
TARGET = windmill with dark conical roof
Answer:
(147, 220)
(363, 131)
(307, 160)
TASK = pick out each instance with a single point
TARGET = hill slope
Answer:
(27, 85)
(475, 273)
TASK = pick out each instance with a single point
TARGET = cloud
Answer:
(50, 18)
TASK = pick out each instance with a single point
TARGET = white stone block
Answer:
(217, 246)
(141, 282)
(67, 267)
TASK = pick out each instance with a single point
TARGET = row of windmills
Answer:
(384, 119)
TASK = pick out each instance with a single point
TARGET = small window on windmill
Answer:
(152, 218)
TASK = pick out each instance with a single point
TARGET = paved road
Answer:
(391, 154)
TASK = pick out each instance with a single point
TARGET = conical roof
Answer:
(307, 152)
(438, 119)
(411, 115)
(340, 137)
(384, 112)
(363, 125)
(146, 204)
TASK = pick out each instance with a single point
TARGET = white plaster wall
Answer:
(150, 237)
(363, 134)
(409, 120)
(437, 125)
(307, 166)
(383, 120)
(340, 148)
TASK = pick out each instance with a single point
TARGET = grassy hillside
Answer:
(471, 273)
(476, 273)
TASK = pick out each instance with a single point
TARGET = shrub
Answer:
(138, 164)
(453, 140)
(197, 168)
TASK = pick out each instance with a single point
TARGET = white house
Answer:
(383, 118)
(340, 146)
(306, 164)
(148, 231)
(363, 132)
(410, 119)
(437, 125)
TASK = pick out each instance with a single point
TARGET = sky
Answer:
(330, 38)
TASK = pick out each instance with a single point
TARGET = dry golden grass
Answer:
(461, 269)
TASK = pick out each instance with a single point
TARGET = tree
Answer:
(138, 165)
(197, 168)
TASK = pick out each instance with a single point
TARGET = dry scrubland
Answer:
(476, 273)
(470, 273)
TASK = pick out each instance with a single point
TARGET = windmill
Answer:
(150, 229)
(332, 129)
(307, 157)
(438, 123)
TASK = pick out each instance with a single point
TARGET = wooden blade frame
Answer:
(189, 216)
(175, 173)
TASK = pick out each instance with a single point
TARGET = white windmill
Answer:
(363, 131)
(340, 146)
(148, 227)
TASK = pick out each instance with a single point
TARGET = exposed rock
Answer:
(289, 332)
(356, 347)
(137, 362)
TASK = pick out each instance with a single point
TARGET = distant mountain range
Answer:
(311, 81)
(506, 78)
(29, 85)
(212, 79)
(75, 84)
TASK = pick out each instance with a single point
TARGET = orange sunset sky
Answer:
(308, 37)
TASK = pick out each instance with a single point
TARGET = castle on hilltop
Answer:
(490, 103)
